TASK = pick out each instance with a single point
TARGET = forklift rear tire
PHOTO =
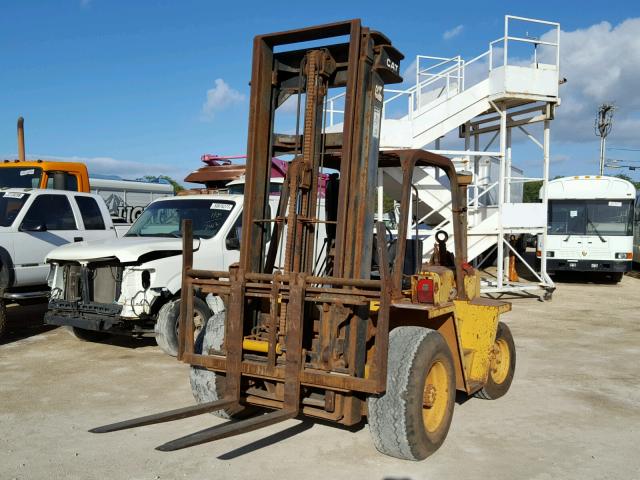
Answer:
(85, 335)
(206, 385)
(412, 418)
(503, 365)
(166, 327)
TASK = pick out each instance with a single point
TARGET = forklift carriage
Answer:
(354, 327)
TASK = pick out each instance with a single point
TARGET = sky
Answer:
(147, 87)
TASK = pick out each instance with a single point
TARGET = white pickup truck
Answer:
(131, 285)
(32, 223)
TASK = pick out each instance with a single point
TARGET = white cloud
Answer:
(219, 97)
(454, 32)
(601, 64)
(128, 169)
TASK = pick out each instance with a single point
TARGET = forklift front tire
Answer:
(207, 385)
(412, 418)
(166, 327)
(502, 367)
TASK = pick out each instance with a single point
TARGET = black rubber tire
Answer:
(207, 385)
(395, 418)
(85, 335)
(3, 319)
(491, 389)
(166, 326)
(616, 277)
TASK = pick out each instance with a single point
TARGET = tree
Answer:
(628, 179)
(531, 191)
(156, 179)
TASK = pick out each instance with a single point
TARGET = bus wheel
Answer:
(616, 277)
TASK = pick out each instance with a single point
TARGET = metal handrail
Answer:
(457, 70)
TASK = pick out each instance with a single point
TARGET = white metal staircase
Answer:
(490, 94)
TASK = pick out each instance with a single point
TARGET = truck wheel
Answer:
(502, 367)
(87, 335)
(411, 419)
(166, 327)
(206, 385)
(3, 319)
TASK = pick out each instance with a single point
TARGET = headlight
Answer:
(52, 272)
(624, 256)
(550, 254)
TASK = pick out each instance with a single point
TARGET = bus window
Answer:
(591, 217)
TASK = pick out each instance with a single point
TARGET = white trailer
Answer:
(590, 225)
(126, 199)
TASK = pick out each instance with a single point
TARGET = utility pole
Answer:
(604, 122)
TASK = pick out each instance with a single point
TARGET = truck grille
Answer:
(101, 282)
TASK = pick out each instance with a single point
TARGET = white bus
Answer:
(590, 225)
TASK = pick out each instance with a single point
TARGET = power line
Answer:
(624, 149)
(622, 160)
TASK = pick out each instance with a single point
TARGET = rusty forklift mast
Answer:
(315, 331)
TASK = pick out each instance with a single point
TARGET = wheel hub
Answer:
(434, 396)
(500, 358)
(429, 397)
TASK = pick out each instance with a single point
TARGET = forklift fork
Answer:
(293, 366)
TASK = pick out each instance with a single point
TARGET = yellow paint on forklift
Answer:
(472, 285)
(259, 346)
(477, 327)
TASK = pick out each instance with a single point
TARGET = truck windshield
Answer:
(164, 218)
(591, 217)
(20, 177)
(10, 205)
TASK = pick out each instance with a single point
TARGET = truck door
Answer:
(48, 223)
(232, 239)
(232, 244)
(92, 219)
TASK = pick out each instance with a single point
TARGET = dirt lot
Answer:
(573, 410)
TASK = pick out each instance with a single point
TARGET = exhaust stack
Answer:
(21, 155)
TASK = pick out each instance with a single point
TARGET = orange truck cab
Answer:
(71, 176)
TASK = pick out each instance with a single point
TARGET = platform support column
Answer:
(545, 201)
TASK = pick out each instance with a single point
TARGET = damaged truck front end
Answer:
(103, 296)
(131, 285)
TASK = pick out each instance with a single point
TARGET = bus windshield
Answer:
(164, 218)
(591, 217)
(20, 177)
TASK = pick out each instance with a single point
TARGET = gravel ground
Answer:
(572, 412)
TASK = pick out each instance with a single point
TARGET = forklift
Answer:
(355, 326)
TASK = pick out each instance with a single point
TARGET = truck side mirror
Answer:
(233, 243)
(30, 226)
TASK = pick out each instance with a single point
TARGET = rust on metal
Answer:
(323, 328)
